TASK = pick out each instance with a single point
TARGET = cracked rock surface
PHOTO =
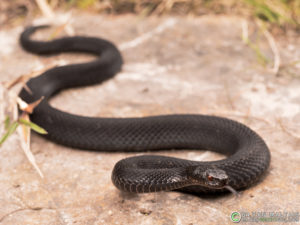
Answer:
(172, 65)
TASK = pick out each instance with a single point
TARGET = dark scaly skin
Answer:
(248, 159)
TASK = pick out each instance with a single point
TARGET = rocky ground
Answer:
(172, 65)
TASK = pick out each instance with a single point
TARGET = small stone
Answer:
(145, 211)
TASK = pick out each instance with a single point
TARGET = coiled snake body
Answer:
(248, 159)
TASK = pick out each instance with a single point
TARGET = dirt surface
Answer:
(172, 65)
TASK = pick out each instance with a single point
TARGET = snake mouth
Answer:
(208, 177)
(217, 184)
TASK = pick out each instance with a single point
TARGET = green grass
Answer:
(277, 12)
(280, 13)
(10, 128)
(273, 12)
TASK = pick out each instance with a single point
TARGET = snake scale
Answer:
(248, 155)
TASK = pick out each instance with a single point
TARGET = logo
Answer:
(235, 217)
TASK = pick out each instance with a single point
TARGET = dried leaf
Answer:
(28, 107)
(21, 79)
(25, 144)
(22, 104)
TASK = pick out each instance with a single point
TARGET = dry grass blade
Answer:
(290, 133)
(21, 124)
(45, 8)
(22, 79)
(245, 35)
(24, 133)
(28, 108)
(274, 49)
(52, 18)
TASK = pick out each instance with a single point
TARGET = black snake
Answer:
(248, 155)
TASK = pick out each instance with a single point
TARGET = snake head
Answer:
(208, 177)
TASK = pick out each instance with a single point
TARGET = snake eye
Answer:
(210, 178)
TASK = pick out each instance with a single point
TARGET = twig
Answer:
(22, 124)
(28, 108)
(45, 8)
(245, 35)
(22, 209)
(286, 130)
(52, 18)
(274, 48)
(25, 134)
(137, 41)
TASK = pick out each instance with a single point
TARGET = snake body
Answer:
(248, 155)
